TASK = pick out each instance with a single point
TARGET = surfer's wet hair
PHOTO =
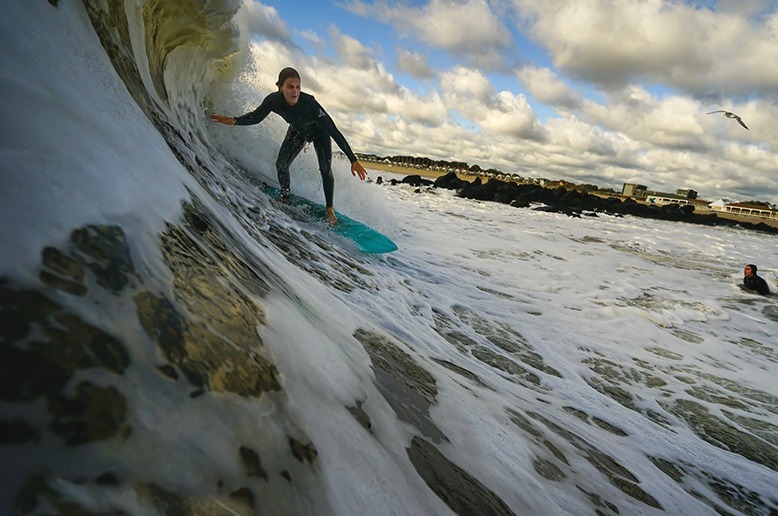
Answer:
(287, 73)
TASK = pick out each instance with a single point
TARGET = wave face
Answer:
(171, 342)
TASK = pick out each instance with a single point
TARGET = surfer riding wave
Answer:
(308, 122)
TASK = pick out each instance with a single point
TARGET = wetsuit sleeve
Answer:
(341, 141)
(329, 126)
(256, 116)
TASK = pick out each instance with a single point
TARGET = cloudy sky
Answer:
(590, 91)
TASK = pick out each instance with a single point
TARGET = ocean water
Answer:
(174, 343)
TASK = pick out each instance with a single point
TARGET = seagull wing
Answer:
(719, 111)
(739, 121)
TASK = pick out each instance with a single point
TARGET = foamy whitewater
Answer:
(174, 343)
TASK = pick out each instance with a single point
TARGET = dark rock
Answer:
(450, 181)
(524, 199)
(571, 198)
(575, 202)
(409, 389)
(107, 254)
(168, 371)
(493, 190)
(252, 463)
(92, 414)
(17, 432)
(303, 452)
(107, 479)
(62, 272)
(627, 207)
(547, 196)
(245, 496)
(416, 180)
(688, 209)
(462, 492)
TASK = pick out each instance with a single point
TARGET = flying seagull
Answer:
(729, 114)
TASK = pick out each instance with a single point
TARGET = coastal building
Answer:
(718, 204)
(633, 190)
(682, 196)
(661, 199)
(686, 193)
(747, 209)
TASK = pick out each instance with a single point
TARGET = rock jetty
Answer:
(573, 203)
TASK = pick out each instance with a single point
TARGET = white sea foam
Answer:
(635, 331)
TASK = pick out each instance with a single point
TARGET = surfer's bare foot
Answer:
(284, 196)
(331, 218)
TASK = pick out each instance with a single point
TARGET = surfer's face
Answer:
(291, 90)
(748, 271)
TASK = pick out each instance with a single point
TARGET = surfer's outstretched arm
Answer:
(227, 120)
(251, 118)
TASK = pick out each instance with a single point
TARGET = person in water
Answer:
(308, 122)
(753, 282)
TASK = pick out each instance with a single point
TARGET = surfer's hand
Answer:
(227, 120)
(358, 169)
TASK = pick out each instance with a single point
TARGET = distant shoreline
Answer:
(407, 171)
(433, 174)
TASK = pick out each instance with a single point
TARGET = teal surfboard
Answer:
(367, 239)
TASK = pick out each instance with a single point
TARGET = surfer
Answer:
(753, 282)
(308, 122)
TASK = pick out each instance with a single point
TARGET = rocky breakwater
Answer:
(573, 203)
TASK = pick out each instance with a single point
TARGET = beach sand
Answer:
(408, 171)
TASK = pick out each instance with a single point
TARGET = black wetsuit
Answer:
(308, 122)
(756, 283)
